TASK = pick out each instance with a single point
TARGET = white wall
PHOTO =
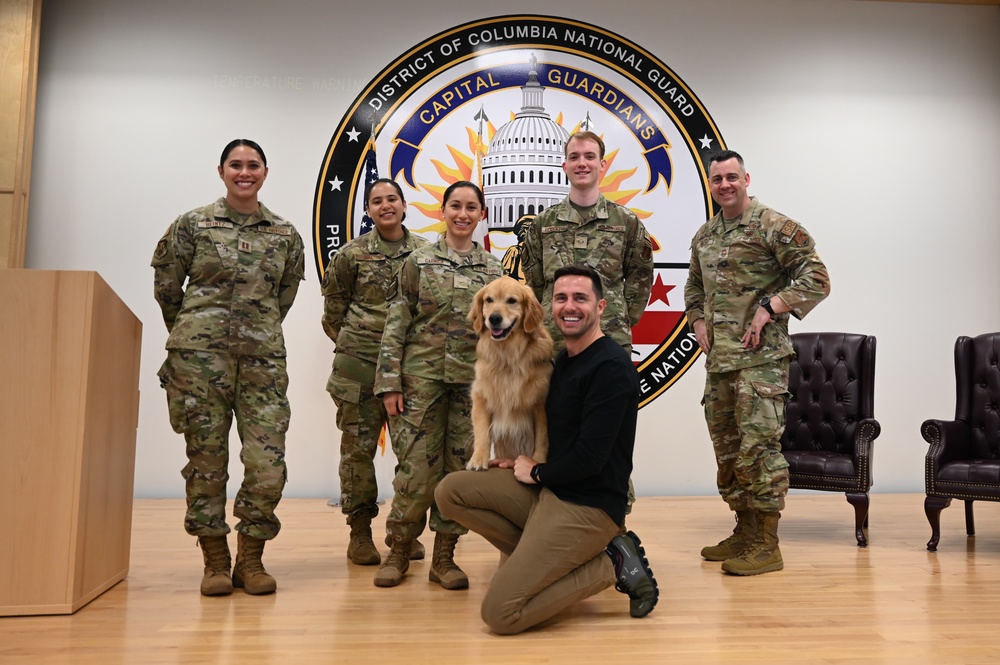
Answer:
(875, 124)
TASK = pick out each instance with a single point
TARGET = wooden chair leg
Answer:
(933, 505)
(970, 522)
(860, 502)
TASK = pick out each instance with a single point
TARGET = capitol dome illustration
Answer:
(522, 170)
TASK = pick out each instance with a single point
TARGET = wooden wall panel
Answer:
(19, 40)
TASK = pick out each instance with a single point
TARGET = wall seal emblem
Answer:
(493, 101)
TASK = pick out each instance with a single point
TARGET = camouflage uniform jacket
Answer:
(242, 277)
(614, 242)
(354, 288)
(427, 332)
(764, 254)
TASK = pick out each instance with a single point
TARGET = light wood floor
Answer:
(892, 602)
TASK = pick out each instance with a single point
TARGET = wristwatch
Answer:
(534, 473)
(765, 302)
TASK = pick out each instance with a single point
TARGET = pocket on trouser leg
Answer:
(775, 483)
(777, 467)
(175, 400)
(346, 396)
(775, 395)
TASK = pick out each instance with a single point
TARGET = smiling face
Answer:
(386, 208)
(576, 308)
(503, 305)
(583, 163)
(462, 211)
(244, 173)
(728, 182)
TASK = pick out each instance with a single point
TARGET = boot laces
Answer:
(218, 566)
(756, 546)
(446, 564)
(251, 567)
(216, 555)
(398, 557)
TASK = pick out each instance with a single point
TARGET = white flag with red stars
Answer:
(665, 309)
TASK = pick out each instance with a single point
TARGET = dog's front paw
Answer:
(478, 464)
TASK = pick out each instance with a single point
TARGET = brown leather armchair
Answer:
(963, 460)
(829, 421)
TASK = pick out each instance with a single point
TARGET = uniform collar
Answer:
(749, 213)
(375, 241)
(569, 213)
(224, 211)
(442, 251)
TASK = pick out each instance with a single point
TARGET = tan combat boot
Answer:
(443, 568)
(762, 555)
(249, 573)
(743, 534)
(216, 581)
(394, 568)
(417, 550)
(361, 550)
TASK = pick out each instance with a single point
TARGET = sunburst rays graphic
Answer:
(465, 168)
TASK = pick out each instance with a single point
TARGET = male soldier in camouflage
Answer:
(750, 267)
(587, 228)
(425, 368)
(242, 265)
(354, 289)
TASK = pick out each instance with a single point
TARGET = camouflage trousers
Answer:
(432, 439)
(745, 411)
(204, 391)
(360, 417)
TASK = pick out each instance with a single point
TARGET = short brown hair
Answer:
(581, 270)
(584, 136)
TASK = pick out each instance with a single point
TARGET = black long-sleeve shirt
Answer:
(592, 407)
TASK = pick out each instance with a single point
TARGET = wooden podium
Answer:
(69, 400)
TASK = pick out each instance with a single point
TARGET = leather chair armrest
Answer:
(948, 439)
(866, 432)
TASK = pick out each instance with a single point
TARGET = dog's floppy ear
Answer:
(476, 312)
(534, 315)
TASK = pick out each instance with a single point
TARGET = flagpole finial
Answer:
(480, 148)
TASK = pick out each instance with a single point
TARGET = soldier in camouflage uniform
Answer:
(750, 267)
(425, 370)
(354, 289)
(242, 265)
(587, 228)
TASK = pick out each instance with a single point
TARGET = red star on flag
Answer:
(660, 291)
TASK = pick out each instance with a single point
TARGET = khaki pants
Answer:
(555, 548)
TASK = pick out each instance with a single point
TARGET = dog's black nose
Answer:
(495, 320)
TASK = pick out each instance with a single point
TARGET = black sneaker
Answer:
(635, 577)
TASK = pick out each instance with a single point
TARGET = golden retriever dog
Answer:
(513, 367)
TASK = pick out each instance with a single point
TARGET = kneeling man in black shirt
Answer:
(558, 523)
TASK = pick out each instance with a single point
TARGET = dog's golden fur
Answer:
(513, 367)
